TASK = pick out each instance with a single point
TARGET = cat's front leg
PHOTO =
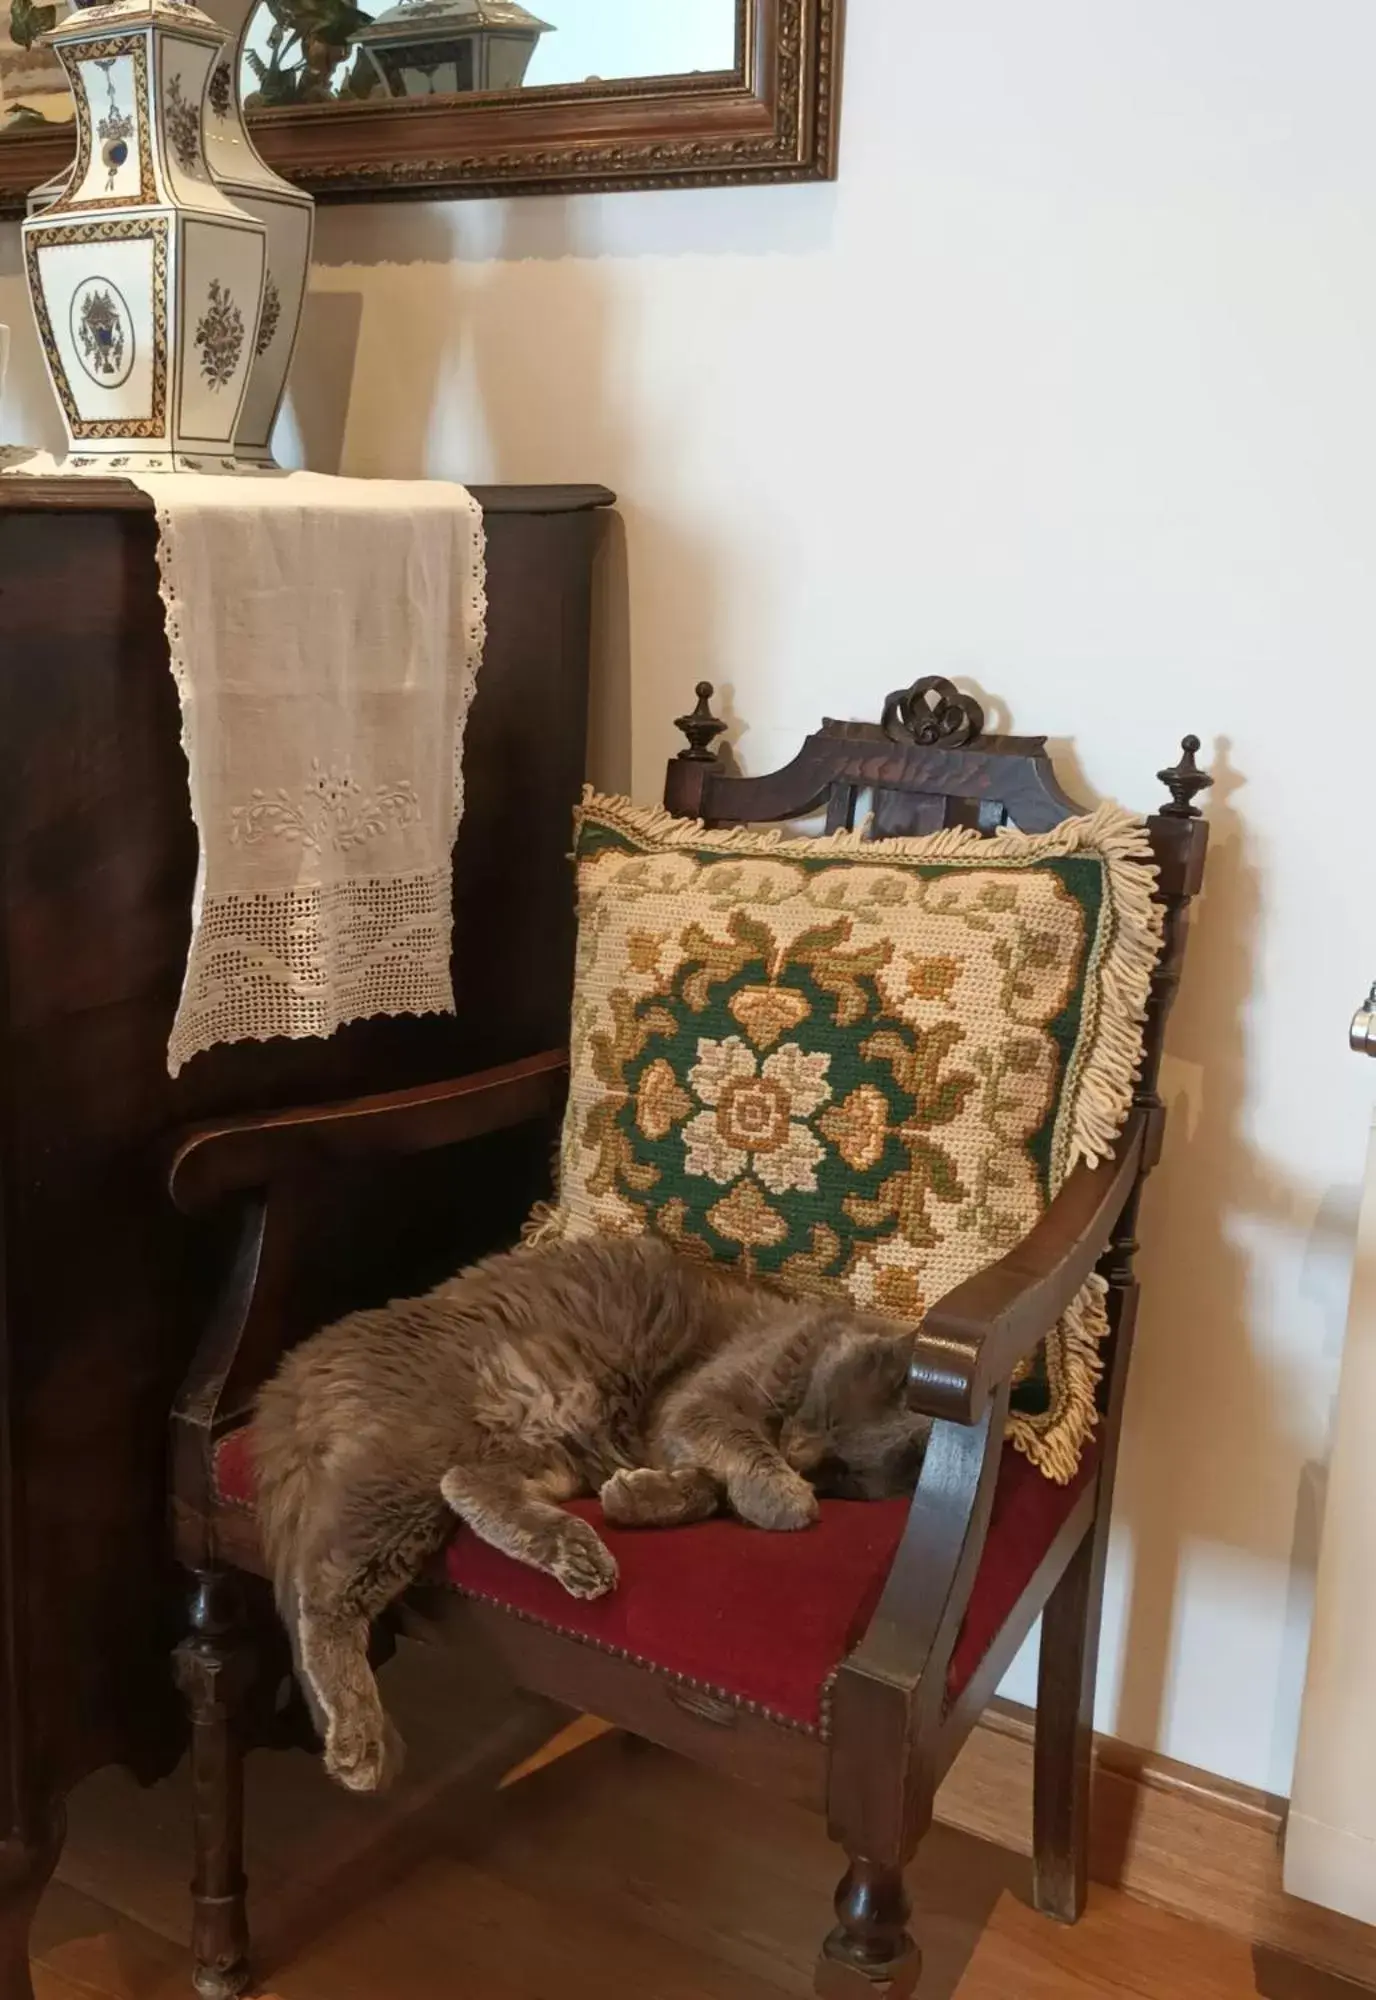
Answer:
(772, 1496)
(653, 1496)
(501, 1505)
(761, 1488)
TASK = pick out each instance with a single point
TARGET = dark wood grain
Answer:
(773, 117)
(255, 1151)
(74, 495)
(105, 1288)
(214, 1667)
(893, 1732)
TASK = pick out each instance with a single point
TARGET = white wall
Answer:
(1065, 388)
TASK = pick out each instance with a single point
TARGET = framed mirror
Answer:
(359, 99)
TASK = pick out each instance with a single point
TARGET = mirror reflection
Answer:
(33, 88)
(316, 51)
(303, 51)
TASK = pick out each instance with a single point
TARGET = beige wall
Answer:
(1330, 1832)
(1065, 389)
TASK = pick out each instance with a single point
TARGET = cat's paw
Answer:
(582, 1562)
(778, 1501)
(646, 1496)
(631, 1497)
(362, 1756)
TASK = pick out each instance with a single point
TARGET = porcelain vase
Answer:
(147, 280)
(288, 215)
(429, 48)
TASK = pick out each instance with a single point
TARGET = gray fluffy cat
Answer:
(609, 1366)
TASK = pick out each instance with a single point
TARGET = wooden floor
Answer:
(616, 1871)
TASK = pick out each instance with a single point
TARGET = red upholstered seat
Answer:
(762, 1619)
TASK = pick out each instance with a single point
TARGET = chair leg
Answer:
(26, 1866)
(1065, 1733)
(870, 1954)
(214, 1665)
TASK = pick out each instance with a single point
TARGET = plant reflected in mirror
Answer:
(33, 88)
(313, 51)
(297, 49)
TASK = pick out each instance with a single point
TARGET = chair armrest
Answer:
(974, 1338)
(246, 1153)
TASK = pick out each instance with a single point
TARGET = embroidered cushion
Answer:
(857, 1067)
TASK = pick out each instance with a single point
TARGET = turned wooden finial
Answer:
(1183, 781)
(702, 728)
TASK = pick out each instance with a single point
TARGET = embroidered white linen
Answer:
(325, 637)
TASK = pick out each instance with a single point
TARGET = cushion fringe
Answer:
(1055, 1446)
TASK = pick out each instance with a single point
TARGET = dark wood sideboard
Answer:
(104, 1287)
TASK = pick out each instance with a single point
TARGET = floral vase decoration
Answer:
(147, 281)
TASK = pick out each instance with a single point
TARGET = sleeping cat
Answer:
(612, 1366)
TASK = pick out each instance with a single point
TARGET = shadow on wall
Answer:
(1201, 1391)
(322, 378)
(28, 409)
(445, 369)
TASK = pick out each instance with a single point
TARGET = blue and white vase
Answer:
(147, 281)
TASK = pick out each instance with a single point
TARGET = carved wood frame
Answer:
(773, 118)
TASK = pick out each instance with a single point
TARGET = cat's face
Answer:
(853, 1437)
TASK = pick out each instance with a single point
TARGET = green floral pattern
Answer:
(850, 1069)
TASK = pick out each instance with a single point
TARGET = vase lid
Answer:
(458, 16)
(86, 24)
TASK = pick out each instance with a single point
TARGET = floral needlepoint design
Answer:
(856, 1071)
(271, 313)
(858, 1127)
(755, 1114)
(933, 978)
(220, 336)
(745, 1217)
(766, 1012)
(660, 1104)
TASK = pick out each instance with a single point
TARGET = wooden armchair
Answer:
(857, 1669)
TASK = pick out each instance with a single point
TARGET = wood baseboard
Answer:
(1184, 1840)
(1173, 1836)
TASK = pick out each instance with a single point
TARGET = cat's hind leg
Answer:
(503, 1506)
(372, 1544)
(362, 1749)
(652, 1496)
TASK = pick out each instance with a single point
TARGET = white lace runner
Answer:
(325, 637)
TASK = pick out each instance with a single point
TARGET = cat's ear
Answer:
(890, 1352)
(879, 1361)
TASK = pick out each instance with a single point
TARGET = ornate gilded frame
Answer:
(772, 118)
